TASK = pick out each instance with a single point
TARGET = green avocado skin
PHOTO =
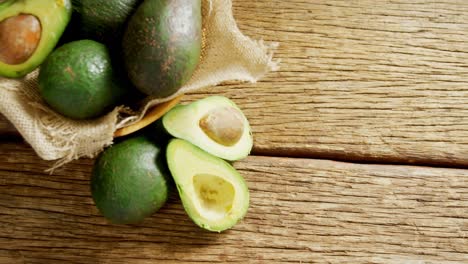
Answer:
(78, 81)
(103, 20)
(130, 180)
(162, 45)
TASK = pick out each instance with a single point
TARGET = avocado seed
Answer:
(225, 125)
(19, 37)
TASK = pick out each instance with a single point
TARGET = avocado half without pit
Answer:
(29, 30)
(214, 124)
(213, 193)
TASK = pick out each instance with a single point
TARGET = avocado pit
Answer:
(19, 37)
(224, 125)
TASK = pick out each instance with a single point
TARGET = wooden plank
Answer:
(359, 81)
(302, 211)
(6, 128)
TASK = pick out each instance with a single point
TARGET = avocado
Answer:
(78, 81)
(103, 21)
(5, 3)
(130, 180)
(213, 193)
(29, 31)
(214, 124)
(162, 45)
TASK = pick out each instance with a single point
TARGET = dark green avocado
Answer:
(29, 31)
(103, 21)
(78, 80)
(130, 180)
(162, 45)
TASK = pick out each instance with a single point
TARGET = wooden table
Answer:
(361, 151)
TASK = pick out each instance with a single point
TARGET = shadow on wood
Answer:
(301, 210)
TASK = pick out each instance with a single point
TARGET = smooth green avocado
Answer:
(103, 21)
(130, 180)
(78, 80)
(214, 124)
(29, 31)
(214, 195)
(162, 45)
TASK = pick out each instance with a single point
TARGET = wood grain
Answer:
(359, 80)
(7, 130)
(302, 211)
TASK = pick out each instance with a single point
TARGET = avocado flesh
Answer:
(186, 122)
(6, 3)
(162, 45)
(213, 193)
(130, 180)
(53, 16)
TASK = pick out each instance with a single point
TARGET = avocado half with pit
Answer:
(29, 31)
(214, 124)
(213, 193)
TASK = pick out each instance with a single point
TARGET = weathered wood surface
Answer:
(302, 211)
(361, 80)
(6, 128)
(365, 80)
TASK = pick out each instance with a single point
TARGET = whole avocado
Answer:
(130, 180)
(78, 80)
(103, 21)
(162, 45)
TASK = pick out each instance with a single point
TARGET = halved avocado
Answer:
(214, 124)
(130, 180)
(213, 193)
(29, 31)
(5, 3)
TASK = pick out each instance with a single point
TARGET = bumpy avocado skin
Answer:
(162, 45)
(103, 21)
(78, 81)
(130, 180)
(54, 16)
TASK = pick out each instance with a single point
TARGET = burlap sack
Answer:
(228, 55)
